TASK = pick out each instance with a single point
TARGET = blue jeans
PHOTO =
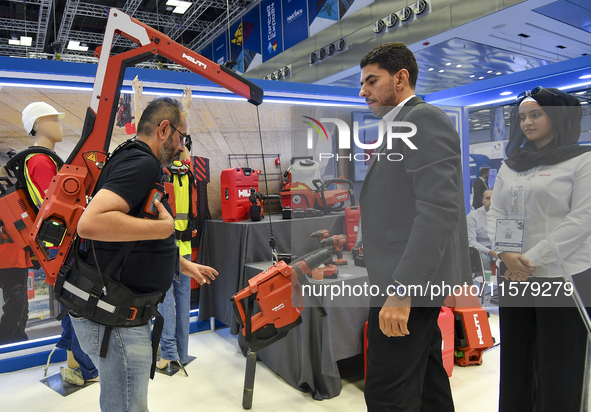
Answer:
(69, 341)
(175, 310)
(125, 372)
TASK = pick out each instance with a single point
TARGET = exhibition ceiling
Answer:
(527, 35)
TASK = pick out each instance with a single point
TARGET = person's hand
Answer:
(492, 253)
(187, 96)
(165, 219)
(138, 88)
(394, 316)
(201, 273)
(519, 268)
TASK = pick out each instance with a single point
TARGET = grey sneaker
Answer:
(72, 376)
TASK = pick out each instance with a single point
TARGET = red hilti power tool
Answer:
(57, 218)
(273, 290)
(297, 195)
(257, 202)
(336, 244)
(328, 270)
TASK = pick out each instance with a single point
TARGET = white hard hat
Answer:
(36, 110)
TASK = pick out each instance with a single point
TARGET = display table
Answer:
(307, 357)
(227, 247)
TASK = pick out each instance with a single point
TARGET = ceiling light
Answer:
(26, 41)
(73, 45)
(441, 71)
(587, 76)
(480, 78)
(488, 72)
(498, 73)
(448, 64)
(580, 92)
(472, 76)
(180, 10)
(14, 42)
(459, 65)
(431, 69)
(506, 93)
(584, 102)
(172, 3)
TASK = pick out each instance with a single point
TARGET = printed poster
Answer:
(272, 28)
(251, 37)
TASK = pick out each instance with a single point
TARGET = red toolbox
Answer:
(352, 215)
(446, 324)
(236, 184)
(473, 335)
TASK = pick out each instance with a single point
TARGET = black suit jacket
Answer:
(412, 211)
(479, 189)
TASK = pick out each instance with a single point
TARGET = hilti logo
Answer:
(478, 329)
(243, 193)
(194, 60)
(278, 307)
(342, 197)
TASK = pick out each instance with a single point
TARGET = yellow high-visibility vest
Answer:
(183, 208)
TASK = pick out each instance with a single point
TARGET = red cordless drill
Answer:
(328, 270)
(336, 243)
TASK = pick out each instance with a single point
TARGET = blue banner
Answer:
(272, 28)
(348, 7)
(322, 14)
(207, 52)
(295, 22)
(251, 37)
(236, 44)
(220, 48)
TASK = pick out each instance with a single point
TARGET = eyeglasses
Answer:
(535, 91)
(186, 138)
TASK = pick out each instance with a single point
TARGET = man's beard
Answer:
(167, 152)
(383, 107)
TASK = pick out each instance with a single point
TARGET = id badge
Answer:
(509, 235)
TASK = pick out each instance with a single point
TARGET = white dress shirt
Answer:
(556, 206)
(389, 117)
(477, 230)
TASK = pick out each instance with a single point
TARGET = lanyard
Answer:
(516, 190)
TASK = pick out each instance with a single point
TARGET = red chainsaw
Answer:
(297, 195)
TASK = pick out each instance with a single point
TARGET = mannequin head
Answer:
(43, 121)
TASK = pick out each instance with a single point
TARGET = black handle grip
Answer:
(315, 258)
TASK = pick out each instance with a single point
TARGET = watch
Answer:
(400, 290)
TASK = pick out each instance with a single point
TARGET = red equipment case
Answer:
(236, 184)
(473, 335)
(352, 216)
(446, 324)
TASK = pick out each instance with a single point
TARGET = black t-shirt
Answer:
(151, 264)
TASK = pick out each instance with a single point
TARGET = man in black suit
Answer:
(480, 185)
(414, 232)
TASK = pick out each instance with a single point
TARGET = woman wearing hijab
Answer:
(543, 190)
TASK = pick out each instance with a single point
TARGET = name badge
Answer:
(509, 235)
